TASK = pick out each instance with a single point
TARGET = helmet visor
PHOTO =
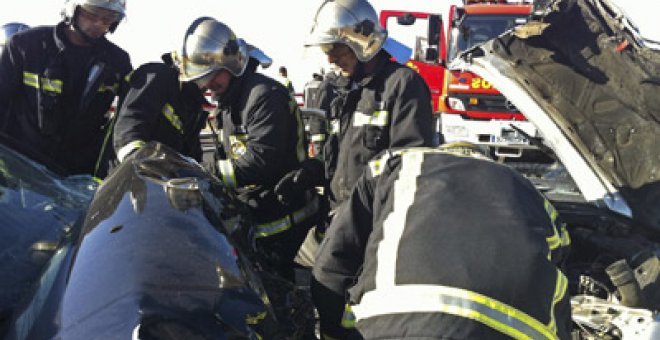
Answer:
(108, 17)
(118, 7)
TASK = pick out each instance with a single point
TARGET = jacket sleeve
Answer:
(141, 107)
(10, 73)
(341, 254)
(412, 114)
(269, 124)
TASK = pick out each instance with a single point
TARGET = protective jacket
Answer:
(318, 97)
(55, 96)
(433, 245)
(389, 108)
(158, 107)
(262, 135)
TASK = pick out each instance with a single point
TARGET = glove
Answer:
(309, 175)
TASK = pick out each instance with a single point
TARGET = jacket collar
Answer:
(379, 62)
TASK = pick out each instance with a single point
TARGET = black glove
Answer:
(309, 175)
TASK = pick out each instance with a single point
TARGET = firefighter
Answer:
(385, 104)
(160, 107)
(378, 103)
(443, 243)
(7, 30)
(261, 133)
(57, 84)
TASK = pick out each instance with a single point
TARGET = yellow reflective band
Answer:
(565, 237)
(317, 137)
(31, 79)
(237, 145)
(377, 118)
(284, 223)
(51, 85)
(554, 241)
(172, 117)
(455, 301)
(274, 227)
(348, 319)
(560, 290)
(255, 319)
(227, 173)
(128, 148)
(110, 88)
(375, 166)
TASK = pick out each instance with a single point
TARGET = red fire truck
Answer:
(469, 107)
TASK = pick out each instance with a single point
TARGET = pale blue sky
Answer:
(278, 27)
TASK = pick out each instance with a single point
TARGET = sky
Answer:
(278, 27)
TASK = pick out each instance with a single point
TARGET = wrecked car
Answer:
(582, 74)
(162, 248)
(161, 251)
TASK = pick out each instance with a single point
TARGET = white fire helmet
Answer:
(209, 46)
(350, 22)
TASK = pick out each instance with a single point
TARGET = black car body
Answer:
(161, 251)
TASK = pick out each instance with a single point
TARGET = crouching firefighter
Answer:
(442, 244)
(159, 107)
(261, 135)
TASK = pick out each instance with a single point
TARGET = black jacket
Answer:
(158, 107)
(389, 108)
(47, 101)
(263, 139)
(428, 235)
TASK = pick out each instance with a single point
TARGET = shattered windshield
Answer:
(474, 30)
(38, 212)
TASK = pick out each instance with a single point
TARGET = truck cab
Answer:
(423, 32)
(475, 111)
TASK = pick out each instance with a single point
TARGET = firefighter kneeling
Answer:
(443, 244)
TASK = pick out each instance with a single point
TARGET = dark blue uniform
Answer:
(262, 136)
(55, 96)
(158, 107)
(391, 107)
(433, 245)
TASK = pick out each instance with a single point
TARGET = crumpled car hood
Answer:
(584, 76)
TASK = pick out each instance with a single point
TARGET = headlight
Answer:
(455, 104)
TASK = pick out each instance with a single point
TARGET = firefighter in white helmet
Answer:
(262, 136)
(57, 84)
(379, 103)
(385, 104)
(259, 124)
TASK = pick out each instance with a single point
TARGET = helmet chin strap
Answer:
(85, 36)
(358, 74)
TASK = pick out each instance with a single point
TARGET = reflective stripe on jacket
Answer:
(160, 108)
(446, 246)
(389, 109)
(55, 96)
